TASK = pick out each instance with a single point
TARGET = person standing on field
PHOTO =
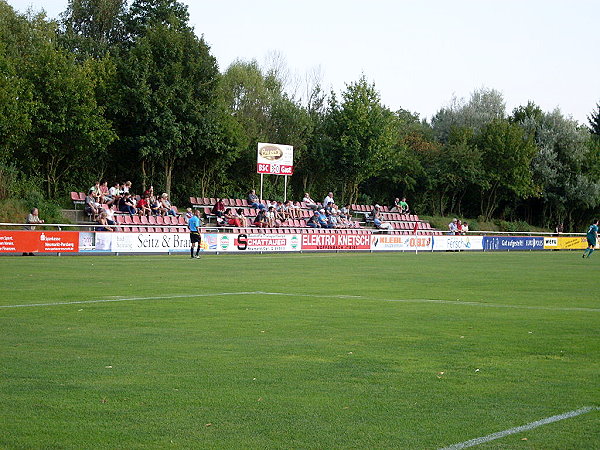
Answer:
(592, 238)
(195, 238)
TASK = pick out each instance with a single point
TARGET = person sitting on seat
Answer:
(378, 222)
(313, 221)
(92, 206)
(261, 219)
(254, 201)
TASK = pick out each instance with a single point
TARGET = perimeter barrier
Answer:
(82, 239)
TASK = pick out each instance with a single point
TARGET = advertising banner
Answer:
(550, 243)
(39, 241)
(231, 242)
(572, 243)
(336, 241)
(275, 159)
(512, 243)
(454, 243)
(401, 243)
(87, 241)
(142, 242)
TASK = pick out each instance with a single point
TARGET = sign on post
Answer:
(275, 159)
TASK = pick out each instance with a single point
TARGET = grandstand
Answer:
(403, 224)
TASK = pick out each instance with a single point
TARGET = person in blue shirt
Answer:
(195, 239)
(592, 238)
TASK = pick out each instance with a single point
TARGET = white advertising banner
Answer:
(275, 159)
(401, 243)
(444, 243)
(142, 242)
(230, 242)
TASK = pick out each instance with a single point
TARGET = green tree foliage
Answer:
(89, 28)
(360, 137)
(483, 106)
(506, 155)
(594, 122)
(564, 166)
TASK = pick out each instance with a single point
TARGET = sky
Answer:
(419, 54)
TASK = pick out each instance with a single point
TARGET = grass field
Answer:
(299, 351)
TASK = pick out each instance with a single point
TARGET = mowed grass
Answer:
(363, 350)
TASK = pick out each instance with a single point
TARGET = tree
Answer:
(506, 153)
(483, 106)
(564, 167)
(594, 122)
(168, 81)
(359, 137)
(89, 28)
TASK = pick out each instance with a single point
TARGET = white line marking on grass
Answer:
(431, 300)
(529, 426)
(129, 299)
(288, 294)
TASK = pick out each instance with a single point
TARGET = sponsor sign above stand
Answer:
(512, 243)
(275, 159)
(231, 242)
(401, 243)
(39, 241)
(457, 243)
(336, 241)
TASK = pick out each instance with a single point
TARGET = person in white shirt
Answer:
(327, 200)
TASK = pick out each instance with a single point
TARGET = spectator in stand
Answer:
(261, 219)
(114, 193)
(126, 187)
(103, 222)
(166, 205)
(110, 215)
(126, 204)
(232, 218)
(323, 221)
(92, 206)
(293, 210)
(452, 226)
(327, 200)
(143, 207)
(104, 191)
(149, 192)
(313, 221)
(96, 192)
(396, 206)
(244, 221)
(32, 218)
(465, 227)
(188, 215)
(404, 209)
(155, 206)
(459, 227)
(345, 212)
(271, 217)
(378, 220)
(254, 201)
(332, 221)
(218, 208)
(309, 201)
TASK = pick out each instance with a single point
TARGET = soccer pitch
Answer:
(348, 350)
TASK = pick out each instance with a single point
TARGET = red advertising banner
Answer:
(275, 169)
(336, 241)
(39, 241)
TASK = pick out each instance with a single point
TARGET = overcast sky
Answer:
(419, 54)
